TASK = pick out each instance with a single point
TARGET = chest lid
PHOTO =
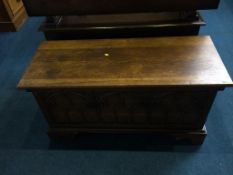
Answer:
(166, 61)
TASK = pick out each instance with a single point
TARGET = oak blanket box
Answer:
(158, 85)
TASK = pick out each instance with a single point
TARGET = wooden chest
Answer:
(127, 85)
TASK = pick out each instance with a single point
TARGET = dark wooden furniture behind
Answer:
(122, 25)
(12, 15)
(87, 7)
(85, 19)
(159, 85)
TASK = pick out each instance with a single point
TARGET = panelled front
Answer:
(130, 108)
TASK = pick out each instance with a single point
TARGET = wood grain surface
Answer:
(153, 62)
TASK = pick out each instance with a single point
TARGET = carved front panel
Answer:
(126, 108)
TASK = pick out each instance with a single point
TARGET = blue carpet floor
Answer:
(26, 149)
